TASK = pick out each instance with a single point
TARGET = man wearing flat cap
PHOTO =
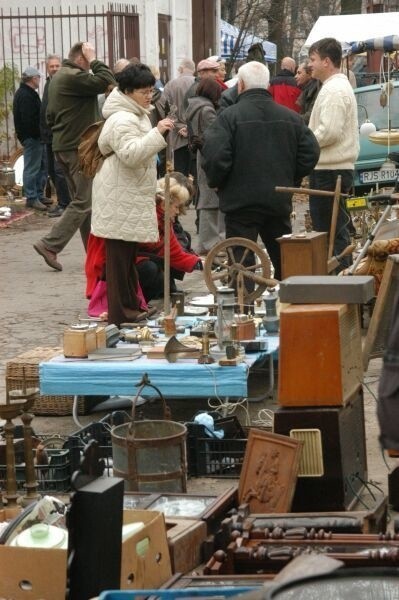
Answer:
(26, 109)
(206, 68)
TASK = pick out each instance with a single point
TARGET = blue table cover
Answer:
(185, 378)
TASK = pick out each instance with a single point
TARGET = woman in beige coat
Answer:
(123, 204)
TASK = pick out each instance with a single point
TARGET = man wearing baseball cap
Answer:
(26, 110)
(208, 67)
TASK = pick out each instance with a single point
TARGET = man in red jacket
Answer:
(283, 87)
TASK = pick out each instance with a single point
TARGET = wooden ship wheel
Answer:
(240, 264)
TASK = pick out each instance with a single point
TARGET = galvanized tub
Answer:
(150, 455)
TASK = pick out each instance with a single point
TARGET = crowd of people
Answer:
(236, 140)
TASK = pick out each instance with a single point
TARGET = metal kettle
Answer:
(7, 176)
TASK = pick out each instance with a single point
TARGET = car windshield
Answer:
(369, 100)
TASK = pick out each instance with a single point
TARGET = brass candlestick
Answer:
(205, 358)
(31, 484)
(18, 401)
(11, 494)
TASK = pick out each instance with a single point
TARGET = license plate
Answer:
(378, 176)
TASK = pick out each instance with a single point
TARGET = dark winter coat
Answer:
(72, 101)
(26, 109)
(228, 98)
(307, 98)
(45, 129)
(201, 114)
(252, 147)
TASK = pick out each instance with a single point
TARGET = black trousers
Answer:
(251, 224)
(122, 280)
(321, 208)
(151, 277)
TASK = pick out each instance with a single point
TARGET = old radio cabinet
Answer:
(333, 466)
(303, 254)
(320, 357)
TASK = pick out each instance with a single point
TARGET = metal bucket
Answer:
(150, 455)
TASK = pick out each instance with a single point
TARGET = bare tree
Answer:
(289, 21)
(351, 7)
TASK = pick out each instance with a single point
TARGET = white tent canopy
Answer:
(228, 36)
(352, 29)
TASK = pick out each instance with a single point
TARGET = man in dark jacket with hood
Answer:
(26, 110)
(252, 147)
(72, 107)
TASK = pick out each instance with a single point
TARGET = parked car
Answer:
(368, 170)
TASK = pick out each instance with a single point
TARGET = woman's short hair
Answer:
(209, 88)
(178, 193)
(186, 181)
(135, 77)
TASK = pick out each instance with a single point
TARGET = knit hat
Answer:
(257, 53)
(206, 64)
(31, 72)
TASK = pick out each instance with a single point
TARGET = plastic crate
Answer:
(101, 432)
(213, 457)
(179, 593)
(54, 477)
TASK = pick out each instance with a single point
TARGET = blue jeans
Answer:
(321, 208)
(34, 169)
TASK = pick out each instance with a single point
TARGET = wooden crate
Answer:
(24, 370)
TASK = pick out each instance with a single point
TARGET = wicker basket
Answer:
(24, 369)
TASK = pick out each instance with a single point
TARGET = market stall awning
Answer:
(388, 43)
(228, 37)
(358, 33)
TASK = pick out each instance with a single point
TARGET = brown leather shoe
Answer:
(49, 256)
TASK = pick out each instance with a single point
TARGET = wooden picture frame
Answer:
(269, 472)
(380, 322)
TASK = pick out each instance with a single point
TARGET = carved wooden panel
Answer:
(269, 472)
(380, 323)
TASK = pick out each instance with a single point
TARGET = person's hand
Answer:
(199, 266)
(165, 125)
(88, 51)
(183, 132)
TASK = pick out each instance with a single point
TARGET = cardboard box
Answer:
(101, 337)
(32, 573)
(78, 343)
(29, 574)
(145, 555)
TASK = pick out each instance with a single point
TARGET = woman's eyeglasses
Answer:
(145, 92)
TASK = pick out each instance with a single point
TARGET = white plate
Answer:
(195, 311)
(203, 300)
